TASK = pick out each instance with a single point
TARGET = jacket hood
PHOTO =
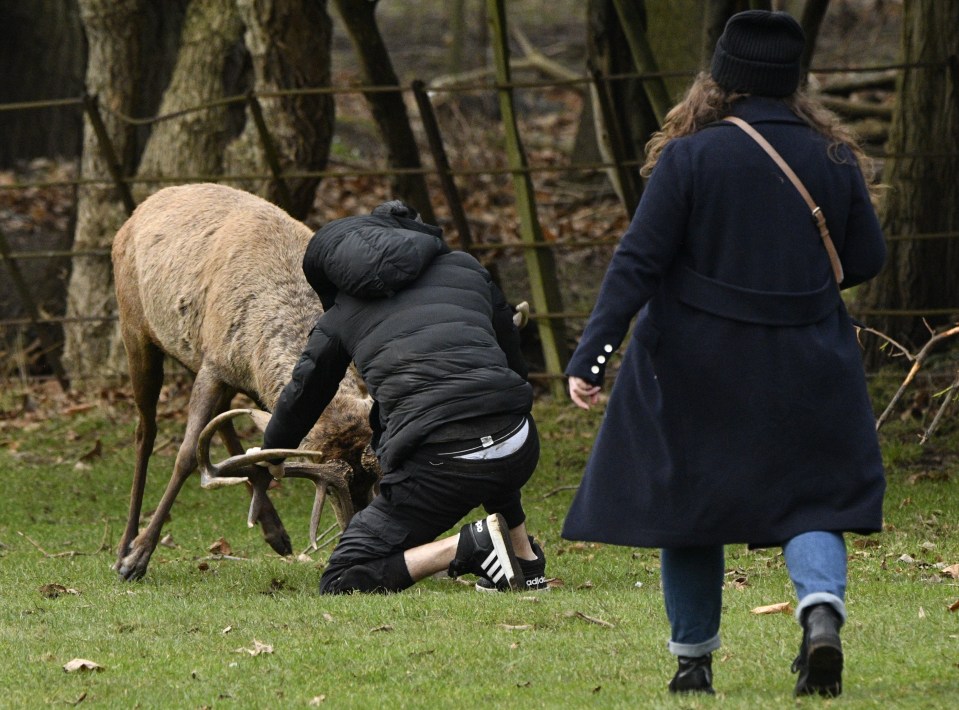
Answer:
(369, 256)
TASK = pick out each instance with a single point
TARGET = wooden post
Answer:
(269, 149)
(91, 106)
(435, 140)
(545, 293)
(49, 347)
(643, 57)
(613, 142)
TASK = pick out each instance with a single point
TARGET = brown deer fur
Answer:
(211, 277)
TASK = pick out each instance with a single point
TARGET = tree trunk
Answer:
(289, 43)
(193, 144)
(388, 108)
(111, 28)
(923, 177)
(608, 52)
(42, 52)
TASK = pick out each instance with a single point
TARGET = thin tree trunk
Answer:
(388, 108)
(924, 180)
(289, 44)
(193, 144)
(111, 28)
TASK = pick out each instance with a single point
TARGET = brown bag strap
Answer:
(817, 214)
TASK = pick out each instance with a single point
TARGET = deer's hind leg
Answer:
(204, 399)
(145, 363)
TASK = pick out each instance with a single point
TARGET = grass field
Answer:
(249, 630)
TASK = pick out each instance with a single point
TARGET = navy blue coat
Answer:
(740, 412)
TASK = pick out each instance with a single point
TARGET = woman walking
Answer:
(740, 412)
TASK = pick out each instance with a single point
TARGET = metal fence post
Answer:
(445, 172)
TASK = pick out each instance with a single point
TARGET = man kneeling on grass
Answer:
(436, 345)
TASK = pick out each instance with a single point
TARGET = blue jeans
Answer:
(693, 586)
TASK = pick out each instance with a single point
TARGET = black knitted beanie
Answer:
(758, 53)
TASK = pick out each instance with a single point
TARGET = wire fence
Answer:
(447, 175)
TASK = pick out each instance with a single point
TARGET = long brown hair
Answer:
(706, 102)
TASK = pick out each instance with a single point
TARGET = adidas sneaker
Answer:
(485, 549)
(534, 572)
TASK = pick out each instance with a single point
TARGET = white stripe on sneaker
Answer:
(493, 567)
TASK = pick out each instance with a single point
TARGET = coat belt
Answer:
(751, 306)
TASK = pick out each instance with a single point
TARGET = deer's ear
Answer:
(260, 418)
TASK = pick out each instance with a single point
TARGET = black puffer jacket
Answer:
(431, 335)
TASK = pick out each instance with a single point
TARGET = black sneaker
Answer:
(695, 675)
(533, 570)
(819, 662)
(485, 549)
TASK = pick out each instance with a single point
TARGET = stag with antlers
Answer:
(211, 277)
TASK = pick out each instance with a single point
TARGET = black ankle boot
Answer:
(695, 675)
(819, 662)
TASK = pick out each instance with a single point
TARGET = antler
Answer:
(333, 474)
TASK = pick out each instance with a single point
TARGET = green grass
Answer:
(176, 638)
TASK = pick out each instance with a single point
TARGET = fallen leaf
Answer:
(317, 700)
(81, 664)
(922, 613)
(516, 627)
(227, 630)
(327, 616)
(77, 408)
(258, 649)
(781, 608)
(954, 606)
(951, 571)
(167, 541)
(907, 559)
(384, 627)
(221, 547)
(52, 591)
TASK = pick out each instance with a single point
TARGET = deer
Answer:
(210, 276)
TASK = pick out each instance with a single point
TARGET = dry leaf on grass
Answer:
(221, 547)
(81, 664)
(258, 649)
(951, 571)
(781, 608)
(954, 606)
(167, 541)
(52, 591)
(317, 699)
(384, 627)
(516, 627)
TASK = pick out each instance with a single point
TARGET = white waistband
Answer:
(502, 448)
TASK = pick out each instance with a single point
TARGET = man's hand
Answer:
(583, 394)
(521, 317)
(275, 469)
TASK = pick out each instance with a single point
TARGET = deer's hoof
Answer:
(134, 565)
(280, 542)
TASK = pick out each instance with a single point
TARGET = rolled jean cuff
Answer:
(838, 605)
(694, 650)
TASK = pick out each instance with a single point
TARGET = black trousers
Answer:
(422, 499)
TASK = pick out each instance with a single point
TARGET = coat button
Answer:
(608, 348)
(594, 369)
(601, 359)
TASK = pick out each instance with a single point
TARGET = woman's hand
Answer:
(584, 395)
